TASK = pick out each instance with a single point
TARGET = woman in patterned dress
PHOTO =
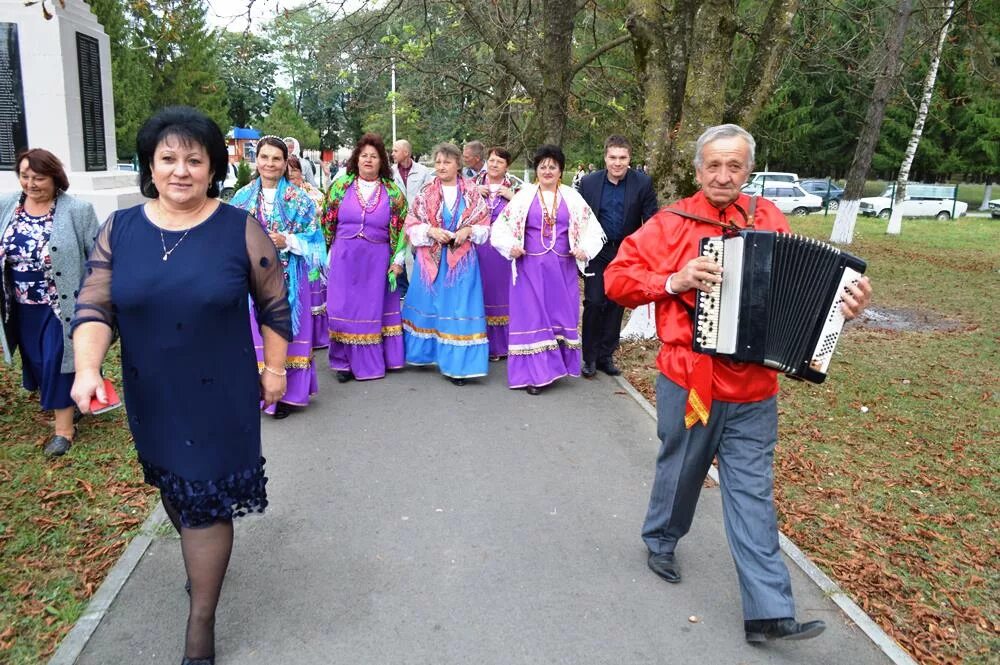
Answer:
(289, 216)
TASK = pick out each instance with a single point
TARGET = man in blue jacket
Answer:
(622, 198)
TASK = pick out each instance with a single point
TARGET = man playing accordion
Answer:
(711, 406)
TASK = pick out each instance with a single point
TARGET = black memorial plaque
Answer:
(13, 127)
(88, 54)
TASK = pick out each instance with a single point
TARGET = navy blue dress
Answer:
(189, 372)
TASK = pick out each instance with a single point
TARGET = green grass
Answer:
(901, 504)
(63, 523)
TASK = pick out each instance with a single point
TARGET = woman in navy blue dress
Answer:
(172, 277)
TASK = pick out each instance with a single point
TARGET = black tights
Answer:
(206, 553)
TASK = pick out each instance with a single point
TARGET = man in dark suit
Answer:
(622, 198)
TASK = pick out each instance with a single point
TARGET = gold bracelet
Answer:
(283, 372)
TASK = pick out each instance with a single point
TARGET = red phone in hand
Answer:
(97, 407)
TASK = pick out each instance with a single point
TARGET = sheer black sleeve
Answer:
(267, 281)
(94, 300)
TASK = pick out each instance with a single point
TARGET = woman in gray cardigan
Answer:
(45, 238)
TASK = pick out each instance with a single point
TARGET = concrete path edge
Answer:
(853, 611)
(73, 644)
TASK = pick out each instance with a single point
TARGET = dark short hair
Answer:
(189, 125)
(549, 151)
(292, 163)
(274, 142)
(617, 141)
(500, 152)
(43, 162)
(375, 141)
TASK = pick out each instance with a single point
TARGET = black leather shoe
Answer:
(344, 377)
(57, 446)
(762, 630)
(282, 411)
(608, 367)
(665, 566)
(458, 382)
(533, 390)
(588, 370)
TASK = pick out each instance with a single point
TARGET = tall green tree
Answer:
(130, 81)
(250, 74)
(283, 120)
(186, 62)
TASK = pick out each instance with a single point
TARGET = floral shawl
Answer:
(293, 213)
(427, 208)
(397, 211)
(585, 231)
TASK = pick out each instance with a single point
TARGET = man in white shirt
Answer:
(410, 175)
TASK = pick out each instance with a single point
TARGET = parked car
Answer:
(920, 201)
(788, 196)
(995, 208)
(825, 190)
(229, 184)
(768, 177)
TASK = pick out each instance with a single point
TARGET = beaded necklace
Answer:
(367, 207)
(549, 218)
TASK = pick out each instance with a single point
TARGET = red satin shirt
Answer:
(663, 246)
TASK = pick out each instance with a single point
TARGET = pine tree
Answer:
(185, 57)
(130, 81)
(283, 120)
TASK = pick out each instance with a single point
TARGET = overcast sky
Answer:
(232, 14)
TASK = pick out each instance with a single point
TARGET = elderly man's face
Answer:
(725, 166)
(399, 153)
(471, 159)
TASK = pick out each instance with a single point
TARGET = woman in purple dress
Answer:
(497, 189)
(289, 217)
(547, 231)
(364, 218)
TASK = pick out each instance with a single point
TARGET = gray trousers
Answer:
(743, 436)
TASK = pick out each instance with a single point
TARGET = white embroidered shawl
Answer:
(585, 231)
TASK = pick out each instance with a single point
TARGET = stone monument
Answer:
(55, 93)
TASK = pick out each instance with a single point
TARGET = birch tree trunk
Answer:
(987, 194)
(847, 213)
(896, 217)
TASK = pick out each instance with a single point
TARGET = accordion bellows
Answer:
(779, 301)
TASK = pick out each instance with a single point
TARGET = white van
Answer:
(920, 201)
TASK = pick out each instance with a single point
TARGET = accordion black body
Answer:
(779, 301)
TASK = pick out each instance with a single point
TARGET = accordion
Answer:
(779, 301)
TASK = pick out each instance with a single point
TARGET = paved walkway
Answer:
(415, 522)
